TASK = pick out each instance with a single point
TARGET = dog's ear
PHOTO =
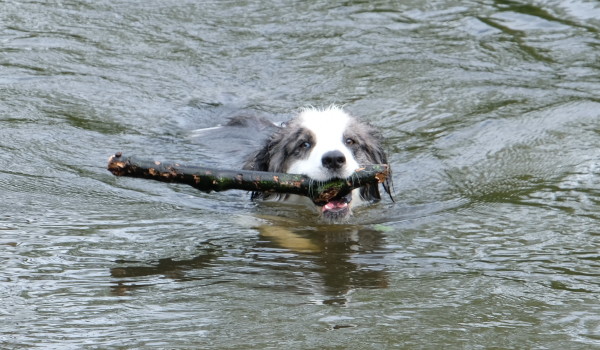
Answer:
(262, 161)
(376, 155)
(259, 161)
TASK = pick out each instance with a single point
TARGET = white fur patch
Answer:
(328, 127)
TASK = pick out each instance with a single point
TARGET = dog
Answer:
(323, 144)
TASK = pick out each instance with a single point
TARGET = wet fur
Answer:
(285, 147)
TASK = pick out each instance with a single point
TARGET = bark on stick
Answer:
(209, 179)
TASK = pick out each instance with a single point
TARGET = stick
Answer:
(207, 179)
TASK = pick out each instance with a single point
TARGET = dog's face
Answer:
(323, 144)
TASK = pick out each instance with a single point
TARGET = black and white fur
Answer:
(323, 144)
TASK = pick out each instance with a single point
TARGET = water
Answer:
(491, 115)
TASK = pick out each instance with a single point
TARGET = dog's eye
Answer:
(350, 142)
(305, 145)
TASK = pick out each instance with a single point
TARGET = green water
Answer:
(491, 115)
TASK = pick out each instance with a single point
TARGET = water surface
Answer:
(491, 115)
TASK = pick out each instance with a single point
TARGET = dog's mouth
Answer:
(337, 209)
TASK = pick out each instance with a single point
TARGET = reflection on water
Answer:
(323, 260)
(491, 116)
(127, 273)
(334, 259)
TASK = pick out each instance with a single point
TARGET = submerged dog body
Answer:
(323, 145)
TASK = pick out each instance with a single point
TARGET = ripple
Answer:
(491, 118)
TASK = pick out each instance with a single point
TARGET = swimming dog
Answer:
(323, 144)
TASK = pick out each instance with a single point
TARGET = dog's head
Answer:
(324, 144)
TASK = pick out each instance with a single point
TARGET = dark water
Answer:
(491, 112)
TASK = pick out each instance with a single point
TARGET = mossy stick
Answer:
(209, 179)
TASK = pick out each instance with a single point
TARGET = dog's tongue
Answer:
(335, 205)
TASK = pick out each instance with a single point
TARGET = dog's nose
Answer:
(333, 160)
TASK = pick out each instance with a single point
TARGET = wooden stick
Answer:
(207, 179)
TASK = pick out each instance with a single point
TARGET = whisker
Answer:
(311, 187)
